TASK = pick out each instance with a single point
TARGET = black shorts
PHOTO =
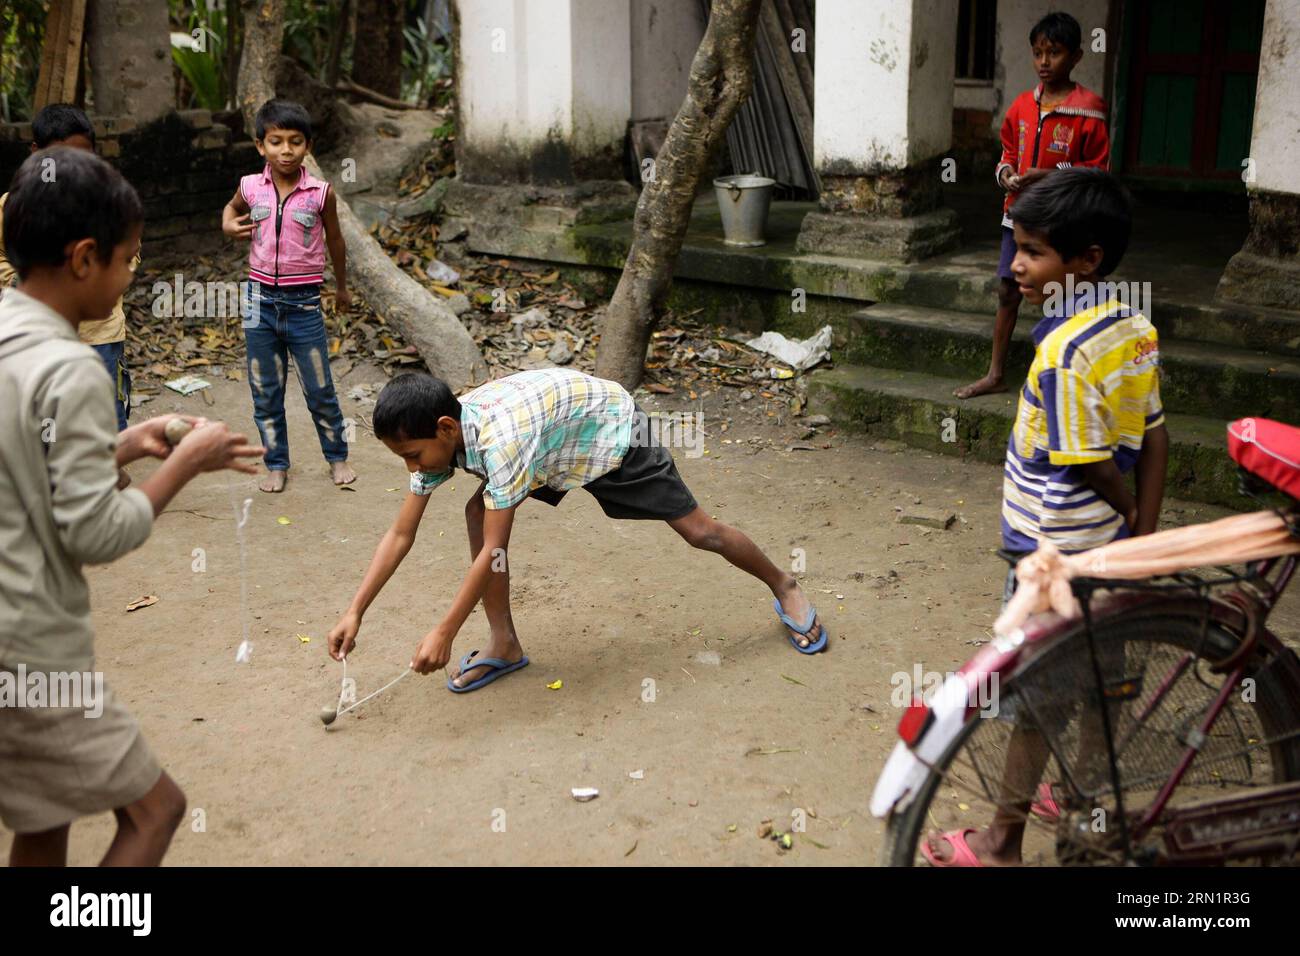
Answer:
(644, 486)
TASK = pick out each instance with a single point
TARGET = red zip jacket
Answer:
(1072, 134)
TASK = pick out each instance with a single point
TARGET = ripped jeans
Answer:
(286, 321)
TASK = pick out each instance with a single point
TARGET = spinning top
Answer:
(176, 429)
(328, 715)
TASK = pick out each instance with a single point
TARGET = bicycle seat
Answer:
(1269, 450)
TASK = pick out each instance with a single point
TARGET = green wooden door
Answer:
(1192, 87)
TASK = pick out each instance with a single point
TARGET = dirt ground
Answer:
(422, 776)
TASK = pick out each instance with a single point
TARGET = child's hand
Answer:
(240, 227)
(213, 446)
(343, 637)
(1030, 177)
(433, 653)
(342, 301)
(148, 439)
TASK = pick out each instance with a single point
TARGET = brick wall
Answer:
(185, 167)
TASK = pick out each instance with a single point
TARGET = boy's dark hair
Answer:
(1058, 28)
(58, 122)
(282, 114)
(411, 404)
(1076, 208)
(60, 195)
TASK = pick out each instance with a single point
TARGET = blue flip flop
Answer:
(815, 646)
(500, 669)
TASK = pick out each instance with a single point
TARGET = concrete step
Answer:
(779, 274)
(918, 408)
(1196, 378)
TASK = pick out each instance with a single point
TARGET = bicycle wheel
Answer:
(1048, 729)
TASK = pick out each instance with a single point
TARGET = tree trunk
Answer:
(234, 42)
(420, 317)
(131, 59)
(377, 46)
(721, 76)
(341, 30)
(263, 22)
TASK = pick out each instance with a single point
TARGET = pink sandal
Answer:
(1045, 807)
(962, 854)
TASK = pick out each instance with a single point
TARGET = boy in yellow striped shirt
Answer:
(1089, 414)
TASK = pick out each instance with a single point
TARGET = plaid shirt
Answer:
(551, 427)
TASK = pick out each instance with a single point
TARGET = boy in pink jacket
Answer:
(289, 217)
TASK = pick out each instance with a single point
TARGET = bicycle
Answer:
(1159, 727)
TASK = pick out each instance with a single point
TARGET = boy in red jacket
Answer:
(1057, 124)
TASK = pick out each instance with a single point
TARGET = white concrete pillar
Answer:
(1266, 271)
(883, 84)
(883, 119)
(1274, 135)
(544, 89)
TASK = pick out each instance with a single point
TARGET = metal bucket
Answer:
(743, 201)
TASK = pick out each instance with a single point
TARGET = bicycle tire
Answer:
(1277, 686)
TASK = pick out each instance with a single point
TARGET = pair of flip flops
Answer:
(500, 668)
(814, 646)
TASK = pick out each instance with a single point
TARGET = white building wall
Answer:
(537, 70)
(665, 36)
(934, 39)
(1276, 128)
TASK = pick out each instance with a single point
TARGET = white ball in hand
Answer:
(176, 429)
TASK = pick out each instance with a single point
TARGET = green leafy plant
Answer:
(22, 31)
(204, 69)
(425, 61)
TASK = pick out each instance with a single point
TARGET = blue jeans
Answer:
(287, 321)
(113, 355)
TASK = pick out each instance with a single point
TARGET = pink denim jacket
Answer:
(288, 246)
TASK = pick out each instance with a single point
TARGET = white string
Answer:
(340, 710)
(245, 652)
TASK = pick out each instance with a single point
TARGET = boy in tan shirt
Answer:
(71, 240)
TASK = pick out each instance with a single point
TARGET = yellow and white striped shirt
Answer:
(1092, 393)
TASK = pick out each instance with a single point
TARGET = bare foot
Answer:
(342, 473)
(506, 649)
(988, 385)
(981, 843)
(796, 607)
(274, 480)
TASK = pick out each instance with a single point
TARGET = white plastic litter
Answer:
(441, 273)
(188, 384)
(583, 794)
(798, 355)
